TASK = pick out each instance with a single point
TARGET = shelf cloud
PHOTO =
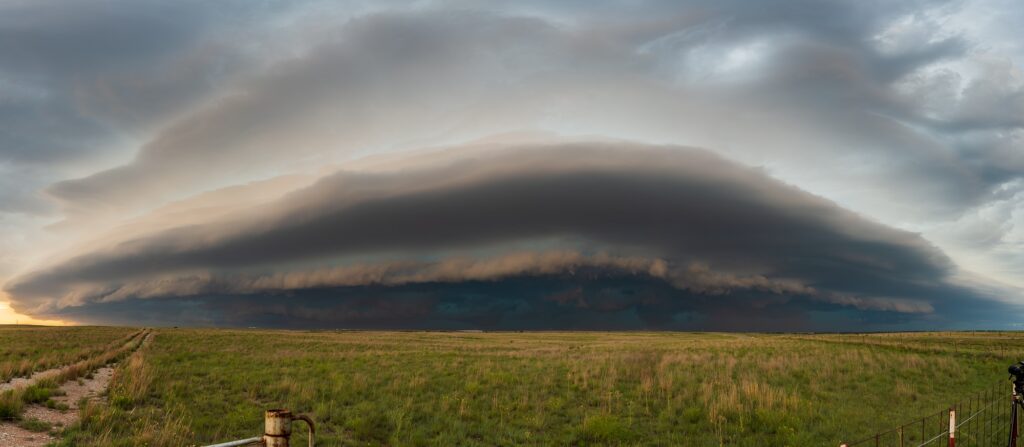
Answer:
(443, 164)
(697, 223)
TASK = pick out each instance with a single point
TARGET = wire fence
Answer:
(982, 419)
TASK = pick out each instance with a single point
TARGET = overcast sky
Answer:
(740, 165)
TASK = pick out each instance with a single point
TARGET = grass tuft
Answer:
(605, 429)
(35, 425)
(37, 394)
(10, 405)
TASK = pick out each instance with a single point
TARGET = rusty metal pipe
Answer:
(277, 430)
(309, 423)
(278, 427)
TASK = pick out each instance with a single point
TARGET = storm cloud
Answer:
(185, 159)
(698, 223)
(449, 75)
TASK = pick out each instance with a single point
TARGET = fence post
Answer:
(1013, 416)
(1013, 426)
(952, 427)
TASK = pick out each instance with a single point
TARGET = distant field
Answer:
(416, 388)
(25, 349)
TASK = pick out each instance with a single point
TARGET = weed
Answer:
(605, 429)
(35, 425)
(37, 394)
(10, 405)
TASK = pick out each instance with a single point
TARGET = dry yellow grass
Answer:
(28, 349)
(12, 401)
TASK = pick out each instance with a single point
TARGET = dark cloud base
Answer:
(434, 246)
(680, 203)
(583, 301)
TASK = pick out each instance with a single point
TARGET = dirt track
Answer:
(74, 391)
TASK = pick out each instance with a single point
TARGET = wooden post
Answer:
(952, 427)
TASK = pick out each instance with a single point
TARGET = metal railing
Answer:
(277, 430)
(983, 419)
(240, 442)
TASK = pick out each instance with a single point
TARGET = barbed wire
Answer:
(981, 416)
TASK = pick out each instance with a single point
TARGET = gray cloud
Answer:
(424, 75)
(64, 61)
(686, 217)
(680, 69)
(910, 113)
(19, 191)
(694, 278)
(79, 84)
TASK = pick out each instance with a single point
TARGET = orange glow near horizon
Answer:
(9, 316)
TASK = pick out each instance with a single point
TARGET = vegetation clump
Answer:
(605, 429)
(35, 425)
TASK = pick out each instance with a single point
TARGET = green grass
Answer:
(415, 388)
(26, 349)
(35, 425)
(11, 405)
(37, 394)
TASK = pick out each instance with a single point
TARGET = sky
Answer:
(794, 165)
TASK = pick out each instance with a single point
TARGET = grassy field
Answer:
(191, 387)
(26, 349)
(40, 389)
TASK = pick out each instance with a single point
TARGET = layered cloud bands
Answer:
(602, 234)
